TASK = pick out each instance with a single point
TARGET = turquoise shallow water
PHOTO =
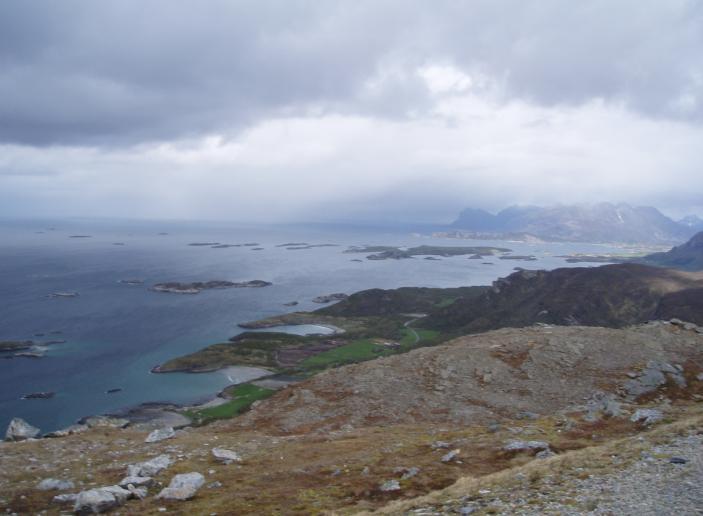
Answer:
(116, 333)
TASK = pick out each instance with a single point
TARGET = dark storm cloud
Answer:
(114, 72)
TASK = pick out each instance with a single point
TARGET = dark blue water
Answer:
(116, 333)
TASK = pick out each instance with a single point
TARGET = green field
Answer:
(367, 349)
(356, 351)
(243, 395)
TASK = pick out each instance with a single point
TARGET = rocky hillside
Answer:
(506, 405)
(604, 222)
(611, 295)
(502, 374)
(688, 256)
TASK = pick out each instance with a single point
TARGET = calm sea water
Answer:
(116, 333)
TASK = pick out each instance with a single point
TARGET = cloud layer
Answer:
(409, 110)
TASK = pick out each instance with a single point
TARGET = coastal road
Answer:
(407, 324)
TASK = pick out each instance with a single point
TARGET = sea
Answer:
(115, 332)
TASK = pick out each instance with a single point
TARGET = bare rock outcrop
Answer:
(486, 377)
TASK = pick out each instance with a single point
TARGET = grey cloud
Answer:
(122, 72)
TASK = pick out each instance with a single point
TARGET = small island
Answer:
(132, 281)
(196, 287)
(381, 252)
(42, 395)
(15, 345)
(63, 294)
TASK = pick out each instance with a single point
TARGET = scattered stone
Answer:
(410, 473)
(214, 485)
(390, 485)
(544, 454)
(101, 499)
(526, 446)
(65, 498)
(437, 445)
(104, 421)
(73, 429)
(20, 430)
(677, 460)
(182, 487)
(699, 377)
(51, 484)
(602, 404)
(149, 468)
(449, 457)
(226, 456)
(136, 481)
(160, 434)
(137, 492)
(524, 414)
(647, 416)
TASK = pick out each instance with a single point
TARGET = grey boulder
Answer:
(105, 421)
(136, 481)
(54, 484)
(149, 468)
(160, 434)
(526, 446)
(101, 499)
(226, 456)
(647, 416)
(182, 487)
(390, 485)
(20, 430)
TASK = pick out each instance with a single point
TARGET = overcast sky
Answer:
(324, 110)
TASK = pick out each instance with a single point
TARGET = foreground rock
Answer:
(647, 416)
(51, 484)
(160, 434)
(136, 482)
(149, 468)
(70, 430)
(226, 456)
(104, 422)
(526, 446)
(101, 499)
(183, 487)
(20, 430)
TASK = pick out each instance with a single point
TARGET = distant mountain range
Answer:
(603, 222)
